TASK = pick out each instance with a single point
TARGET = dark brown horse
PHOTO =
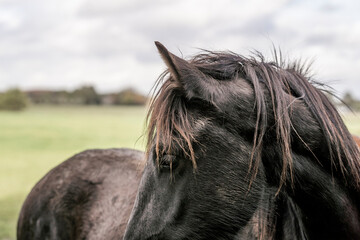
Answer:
(242, 148)
(89, 196)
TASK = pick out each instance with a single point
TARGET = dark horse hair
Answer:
(279, 93)
(168, 121)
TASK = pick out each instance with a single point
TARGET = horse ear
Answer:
(189, 77)
(174, 63)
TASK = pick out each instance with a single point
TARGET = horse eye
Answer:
(168, 162)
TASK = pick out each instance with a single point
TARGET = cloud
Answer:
(63, 44)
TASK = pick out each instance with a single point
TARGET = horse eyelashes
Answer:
(169, 162)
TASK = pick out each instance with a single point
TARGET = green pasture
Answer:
(37, 139)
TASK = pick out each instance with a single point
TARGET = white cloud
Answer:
(63, 44)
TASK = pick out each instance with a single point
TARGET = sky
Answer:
(57, 44)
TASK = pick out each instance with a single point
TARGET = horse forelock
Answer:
(169, 121)
(170, 127)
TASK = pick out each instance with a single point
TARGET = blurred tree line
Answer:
(14, 99)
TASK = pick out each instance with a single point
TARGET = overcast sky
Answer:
(61, 44)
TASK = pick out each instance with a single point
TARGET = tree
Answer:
(129, 97)
(49, 97)
(13, 100)
(87, 95)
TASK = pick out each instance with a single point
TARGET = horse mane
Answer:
(169, 121)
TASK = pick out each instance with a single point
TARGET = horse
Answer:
(244, 148)
(89, 196)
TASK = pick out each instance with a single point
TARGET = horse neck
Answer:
(278, 217)
(296, 217)
(315, 205)
(312, 204)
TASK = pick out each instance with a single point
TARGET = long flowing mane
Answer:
(169, 121)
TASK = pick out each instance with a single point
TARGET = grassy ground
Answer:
(34, 141)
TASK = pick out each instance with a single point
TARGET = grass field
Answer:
(35, 140)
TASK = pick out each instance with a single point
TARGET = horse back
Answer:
(89, 196)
